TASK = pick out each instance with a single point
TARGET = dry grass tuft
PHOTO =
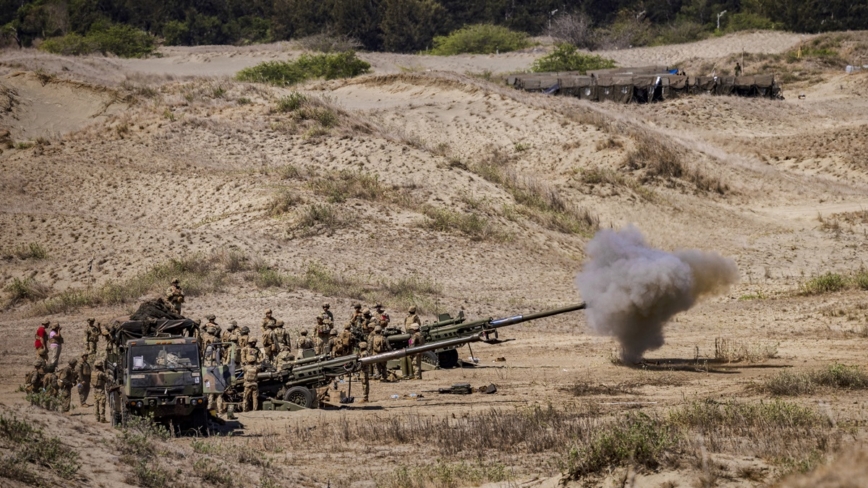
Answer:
(474, 226)
(731, 351)
(836, 376)
(657, 160)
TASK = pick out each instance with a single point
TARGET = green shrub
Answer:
(841, 376)
(566, 57)
(291, 102)
(479, 39)
(285, 73)
(680, 33)
(121, 40)
(748, 21)
(638, 440)
(70, 45)
(827, 283)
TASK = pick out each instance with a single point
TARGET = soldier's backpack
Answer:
(346, 341)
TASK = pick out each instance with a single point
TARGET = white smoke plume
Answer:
(632, 290)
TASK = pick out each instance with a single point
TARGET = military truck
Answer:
(448, 327)
(158, 370)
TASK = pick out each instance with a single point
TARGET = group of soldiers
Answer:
(51, 387)
(362, 334)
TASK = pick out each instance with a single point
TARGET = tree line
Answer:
(411, 25)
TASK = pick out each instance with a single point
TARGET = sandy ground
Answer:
(147, 160)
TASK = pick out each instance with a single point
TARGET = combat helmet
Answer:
(251, 341)
(233, 325)
(326, 305)
(175, 281)
(304, 332)
(333, 332)
(412, 309)
(378, 329)
(245, 330)
(211, 317)
(73, 362)
(363, 345)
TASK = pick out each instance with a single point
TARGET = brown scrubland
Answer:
(430, 182)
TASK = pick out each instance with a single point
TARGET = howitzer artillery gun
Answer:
(296, 382)
(451, 327)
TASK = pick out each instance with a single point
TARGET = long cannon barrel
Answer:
(409, 351)
(517, 319)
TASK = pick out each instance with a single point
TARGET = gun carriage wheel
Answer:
(300, 395)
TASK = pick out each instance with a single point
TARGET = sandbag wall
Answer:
(642, 85)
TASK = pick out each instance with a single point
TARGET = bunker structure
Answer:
(643, 84)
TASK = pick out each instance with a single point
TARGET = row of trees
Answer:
(410, 25)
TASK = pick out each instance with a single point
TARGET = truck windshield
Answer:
(169, 356)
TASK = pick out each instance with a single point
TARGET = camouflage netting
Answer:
(156, 309)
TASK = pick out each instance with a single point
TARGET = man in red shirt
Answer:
(41, 342)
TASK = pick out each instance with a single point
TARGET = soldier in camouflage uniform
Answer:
(251, 388)
(379, 345)
(268, 320)
(305, 342)
(99, 382)
(175, 295)
(416, 340)
(411, 319)
(365, 373)
(327, 316)
(250, 354)
(49, 386)
(382, 316)
(33, 379)
(332, 344)
(322, 331)
(67, 379)
(83, 371)
(346, 342)
(281, 337)
(243, 338)
(269, 341)
(369, 321)
(357, 317)
(208, 338)
(91, 337)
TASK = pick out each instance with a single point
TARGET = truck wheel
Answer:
(300, 395)
(431, 358)
(448, 359)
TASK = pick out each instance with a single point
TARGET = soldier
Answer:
(327, 316)
(33, 379)
(332, 344)
(322, 331)
(346, 342)
(281, 337)
(268, 320)
(99, 381)
(107, 336)
(41, 343)
(210, 336)
(212, 322)
(411, 319)
(380, 345)
(250, 354)
(305, 342)
(251, 388)
(175, 296)
(269, 341)
(67, 379)
(369, 321)
(243, 338)
(55, 345)
(83, 371)
(49, 386)
(416, 340)
(357, 317)
(737, 69)
(382, 316)
(365, 373)
(230, 334)
(91, 337)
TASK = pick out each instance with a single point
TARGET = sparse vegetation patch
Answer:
(285, 73)
(479, 39)
(33, 452)
(566, 57)
(835, 376)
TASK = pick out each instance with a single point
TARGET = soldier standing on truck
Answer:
(416, 340)
(67, 379)
(411, 319)
(83, 371)
(99, 381)
(268, 320)
(251, 388)
(91, 337)
(366, 373)
(175, 295)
